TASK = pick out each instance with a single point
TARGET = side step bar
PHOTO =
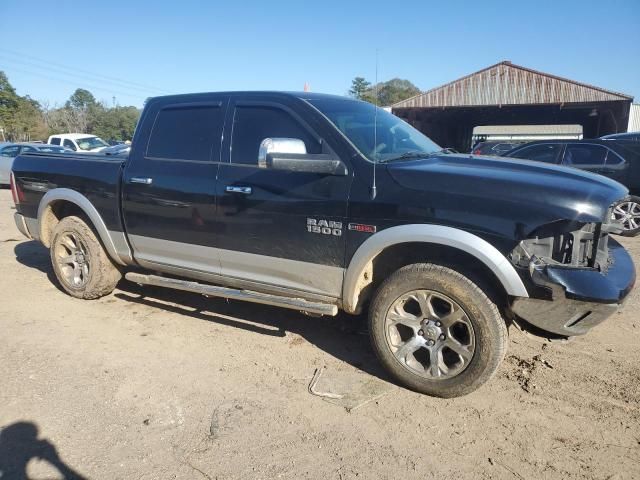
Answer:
(245, 295)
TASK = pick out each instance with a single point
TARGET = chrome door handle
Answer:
(243, 190)
(142, 180)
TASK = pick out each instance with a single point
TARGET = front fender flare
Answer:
(118, 255)
(438, 234)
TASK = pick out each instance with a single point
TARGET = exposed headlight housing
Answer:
(564, 243)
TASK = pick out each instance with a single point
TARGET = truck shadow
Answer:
(343, 337)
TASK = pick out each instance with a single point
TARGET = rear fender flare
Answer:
(358, 274)
(115, 243)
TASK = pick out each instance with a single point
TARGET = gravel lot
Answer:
(154, 384)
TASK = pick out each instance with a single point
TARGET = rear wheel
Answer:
(79, 261)
(627, 213)
(436, 331)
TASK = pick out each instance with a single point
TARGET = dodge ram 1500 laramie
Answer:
(322, 203)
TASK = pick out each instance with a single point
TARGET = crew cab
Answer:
(322, 203)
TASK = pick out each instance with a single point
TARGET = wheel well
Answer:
(53, 213)
(403, 254)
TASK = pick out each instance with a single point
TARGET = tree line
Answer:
(24, 119)
(388, 93)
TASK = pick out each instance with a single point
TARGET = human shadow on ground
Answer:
(344, 336)
(19, 444)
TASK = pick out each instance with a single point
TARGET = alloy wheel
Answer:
(430, 334)
(627, 214)
(73, 260)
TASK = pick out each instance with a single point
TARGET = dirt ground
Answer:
(154, 384)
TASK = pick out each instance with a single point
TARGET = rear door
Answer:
(585, 156)
(279, 228)
(169, 185)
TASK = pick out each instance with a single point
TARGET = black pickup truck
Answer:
(321, 203)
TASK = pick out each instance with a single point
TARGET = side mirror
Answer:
(279, 145)
(290, 154)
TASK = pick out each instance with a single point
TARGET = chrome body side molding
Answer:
(114, 242)
(359, 271)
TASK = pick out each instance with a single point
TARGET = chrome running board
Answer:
(244, 295)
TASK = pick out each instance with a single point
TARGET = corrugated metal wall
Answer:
(508, 84)
(634, 118)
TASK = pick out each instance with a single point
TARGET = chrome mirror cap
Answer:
(279, 145)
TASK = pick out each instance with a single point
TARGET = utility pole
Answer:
(114, 100)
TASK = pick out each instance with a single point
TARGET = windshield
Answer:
(393, 139)
(89, 143)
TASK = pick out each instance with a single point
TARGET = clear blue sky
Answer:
(188, 46)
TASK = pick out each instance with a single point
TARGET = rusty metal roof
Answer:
(507, 84)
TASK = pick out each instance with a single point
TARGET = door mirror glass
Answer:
(279, 145)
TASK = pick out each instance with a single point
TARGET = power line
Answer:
(75, 70)
(75, 83)
(81, 78)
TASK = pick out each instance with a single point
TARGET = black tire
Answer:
(631, 203)
(100, 276)
(481, 317)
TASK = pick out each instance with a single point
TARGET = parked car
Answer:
(494, 148)
(632, 136)
(616, 159)
(8, 151)
(121, 150)
(299, 201)
(78, 142)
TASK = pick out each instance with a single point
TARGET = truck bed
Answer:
(95, 176)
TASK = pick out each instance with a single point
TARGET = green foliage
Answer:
(23, 118)
(389, 92)
(81, 99)
(359, 88)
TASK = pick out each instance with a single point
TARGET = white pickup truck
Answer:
(78, 142)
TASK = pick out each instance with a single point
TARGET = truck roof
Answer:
(250, 93)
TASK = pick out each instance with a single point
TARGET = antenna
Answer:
(374, 190)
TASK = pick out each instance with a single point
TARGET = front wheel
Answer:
(627, 213)
(436, 331)
(79, 261)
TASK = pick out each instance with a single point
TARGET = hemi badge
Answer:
(360, 227)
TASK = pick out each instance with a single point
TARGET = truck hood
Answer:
(531, 193)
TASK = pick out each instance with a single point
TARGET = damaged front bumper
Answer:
(580, 298)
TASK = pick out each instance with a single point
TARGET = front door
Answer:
(279, 228)
(169, 186)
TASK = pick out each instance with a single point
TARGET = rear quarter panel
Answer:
(94, 176)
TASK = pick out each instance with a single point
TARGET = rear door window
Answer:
(10, 151)
(252, 124)
(585, 156)
(69, 144)
(187, 132)
(547, 152)
(55, 141)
